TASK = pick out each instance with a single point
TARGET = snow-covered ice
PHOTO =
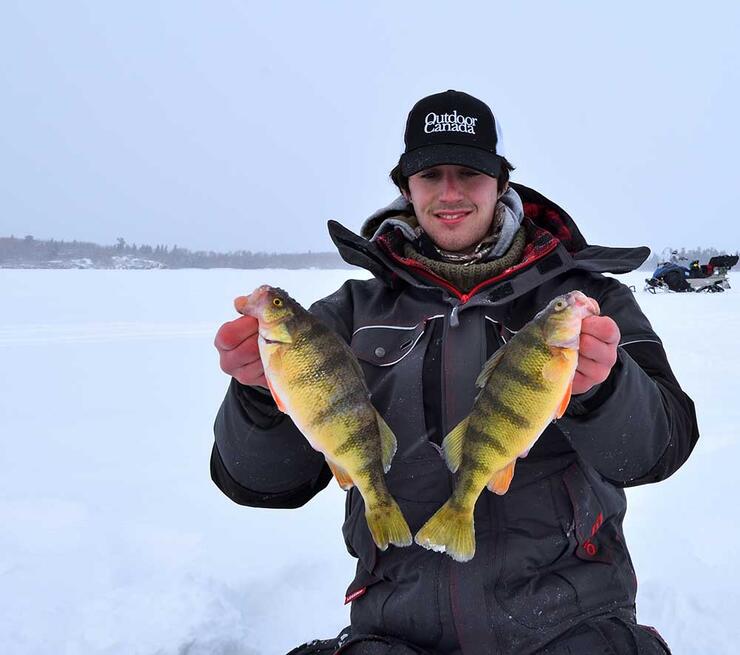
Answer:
(114, 541)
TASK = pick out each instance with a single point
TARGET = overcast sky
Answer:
(232, 125)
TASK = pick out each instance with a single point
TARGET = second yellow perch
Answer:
(525, 385)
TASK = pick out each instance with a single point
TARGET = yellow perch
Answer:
(524, 386)
(315, 378)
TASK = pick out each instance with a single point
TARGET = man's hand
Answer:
(236, 342)
(597, 352)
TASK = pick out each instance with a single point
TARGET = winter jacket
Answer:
(551, 552)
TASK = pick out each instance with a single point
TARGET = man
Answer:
(461, 261)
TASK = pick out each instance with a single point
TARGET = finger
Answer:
(245, 353)
(233, 333)
(581, 384)
(602, 328)
(251, 374)
(592, 348)
(595, 371)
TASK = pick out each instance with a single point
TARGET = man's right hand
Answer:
(236, 342)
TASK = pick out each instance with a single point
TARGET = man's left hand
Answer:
(597, 352)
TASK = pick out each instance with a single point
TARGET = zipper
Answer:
(454, 319)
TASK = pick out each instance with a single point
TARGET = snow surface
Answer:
(114, 541)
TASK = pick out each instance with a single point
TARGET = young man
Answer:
(461, 261)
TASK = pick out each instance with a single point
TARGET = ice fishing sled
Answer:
(710, 277)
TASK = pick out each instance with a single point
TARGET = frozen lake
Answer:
(114, 540)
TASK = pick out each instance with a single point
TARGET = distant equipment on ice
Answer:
(673, 276)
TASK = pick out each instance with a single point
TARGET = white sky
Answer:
(243, 125)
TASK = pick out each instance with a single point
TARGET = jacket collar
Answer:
(554, 245)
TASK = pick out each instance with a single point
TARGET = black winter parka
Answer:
(551, 553)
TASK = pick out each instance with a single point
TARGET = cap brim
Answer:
(428, 156)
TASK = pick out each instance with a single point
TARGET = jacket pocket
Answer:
(386, 345)
(601, 570)
(530, 548)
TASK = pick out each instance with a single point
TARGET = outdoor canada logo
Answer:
(453, 122)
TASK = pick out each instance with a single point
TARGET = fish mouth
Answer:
(587, 305)
(250, 305)
(270, 341)
(592, 306)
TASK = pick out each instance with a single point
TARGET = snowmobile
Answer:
(711, 277)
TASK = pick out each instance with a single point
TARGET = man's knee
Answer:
(609, 636)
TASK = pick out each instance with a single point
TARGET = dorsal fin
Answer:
(452, 445)
(388, 443)
(488, 367)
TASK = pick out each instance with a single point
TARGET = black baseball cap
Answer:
(452, 128)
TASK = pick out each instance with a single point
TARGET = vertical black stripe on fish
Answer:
(508, 413)
(334, 408)
(529, 341)
(360, 437)
(475, 437)
(532, 381)
(331, 360)
(310, 335)
(466, 486)
(373, 475)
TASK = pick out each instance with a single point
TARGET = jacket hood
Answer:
(547, 225)
(400, 215)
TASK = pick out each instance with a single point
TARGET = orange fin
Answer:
(564, 402)
(276, 398)
(341, 475)
(500, 482)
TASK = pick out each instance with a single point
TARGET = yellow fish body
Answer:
(524, 386)
(315, 378)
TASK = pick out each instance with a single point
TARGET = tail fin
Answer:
(449, 531)
(387, 525)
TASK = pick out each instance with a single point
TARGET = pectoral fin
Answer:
(562, 362)
(343, 478)
(500, 482)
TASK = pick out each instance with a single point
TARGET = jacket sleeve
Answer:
(638, 426)
(259, 457)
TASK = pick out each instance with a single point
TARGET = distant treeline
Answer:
(28, 252)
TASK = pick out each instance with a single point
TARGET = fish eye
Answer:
(560, 305)
(277, 302)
